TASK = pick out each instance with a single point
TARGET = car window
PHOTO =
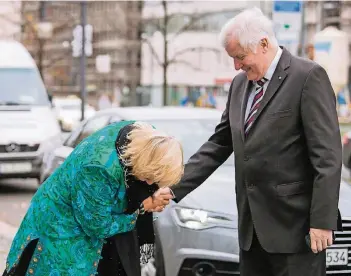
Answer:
(90, 127)
(191, 133)
(22, 86)
(70, 141)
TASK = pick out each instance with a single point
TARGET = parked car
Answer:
(28, 125)
(68, 111)
(198, 236)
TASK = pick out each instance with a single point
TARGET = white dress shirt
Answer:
(268, 76)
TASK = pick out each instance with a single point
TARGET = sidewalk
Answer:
(7, 232)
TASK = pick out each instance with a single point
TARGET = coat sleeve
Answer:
(208, 158)
(322, 134)
(93, 197)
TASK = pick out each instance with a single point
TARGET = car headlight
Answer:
(200, 219)
(68, 120)
(57, 162)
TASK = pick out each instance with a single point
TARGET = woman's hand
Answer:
(157, 202)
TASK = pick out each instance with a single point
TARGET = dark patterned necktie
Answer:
(255, 105)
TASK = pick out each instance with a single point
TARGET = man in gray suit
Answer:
(281, 122)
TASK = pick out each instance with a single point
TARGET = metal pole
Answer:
(40, 41)
(83, 18)
(302, 31)
(42, 11)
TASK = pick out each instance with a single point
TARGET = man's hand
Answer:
(162, 192)
(320, 239)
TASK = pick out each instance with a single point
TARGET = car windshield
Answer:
(191, 133)
(22, 86)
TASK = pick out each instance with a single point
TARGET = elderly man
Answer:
(281, 122)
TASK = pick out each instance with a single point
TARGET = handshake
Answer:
(158, 201)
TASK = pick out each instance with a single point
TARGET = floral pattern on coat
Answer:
(76, 209)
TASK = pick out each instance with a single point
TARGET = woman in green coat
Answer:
(85, 214)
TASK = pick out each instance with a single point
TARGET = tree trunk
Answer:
(40, 41)
(41, 58)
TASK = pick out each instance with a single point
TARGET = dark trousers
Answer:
(258, 262)
(110, 264)
(21, 268)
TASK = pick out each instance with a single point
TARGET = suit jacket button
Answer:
(246, 158)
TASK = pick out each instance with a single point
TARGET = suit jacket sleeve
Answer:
(321, 127)
(93, 196)
(208, 158)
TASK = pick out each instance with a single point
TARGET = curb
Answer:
(7, 231)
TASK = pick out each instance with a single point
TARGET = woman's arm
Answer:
(93, 197)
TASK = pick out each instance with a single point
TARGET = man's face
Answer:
(254, 64)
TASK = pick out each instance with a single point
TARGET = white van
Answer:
(28, 125)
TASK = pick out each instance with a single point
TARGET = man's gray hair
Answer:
(248, 28)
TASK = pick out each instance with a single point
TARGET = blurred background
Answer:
(157, 52)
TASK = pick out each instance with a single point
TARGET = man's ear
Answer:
(264, 43)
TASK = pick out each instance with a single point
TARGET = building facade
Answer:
(115, 33)
(198, 64)
(10, 20)
(320, 14)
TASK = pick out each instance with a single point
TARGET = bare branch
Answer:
(193, 19)
(187, 26)
(187, 63)
(192, 49)
(153, 52)
(153, 22)
(53, 61)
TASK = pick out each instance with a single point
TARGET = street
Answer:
(15, 196)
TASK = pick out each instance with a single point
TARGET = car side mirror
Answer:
(50, 100)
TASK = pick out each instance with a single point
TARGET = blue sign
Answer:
(322, 46)
(287, 6)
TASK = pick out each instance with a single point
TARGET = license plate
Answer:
(15, 167)
(337, 256)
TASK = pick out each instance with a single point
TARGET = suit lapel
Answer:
(247, 90)
(277, 79)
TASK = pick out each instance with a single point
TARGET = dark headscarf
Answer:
(137, 192)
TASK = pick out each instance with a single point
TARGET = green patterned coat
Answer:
(77, 207)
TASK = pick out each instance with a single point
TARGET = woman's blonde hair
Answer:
(153, 155)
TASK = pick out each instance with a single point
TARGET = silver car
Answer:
(198, 236)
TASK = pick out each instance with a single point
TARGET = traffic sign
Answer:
(103, 63)
(77, 41)
(287, 20)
